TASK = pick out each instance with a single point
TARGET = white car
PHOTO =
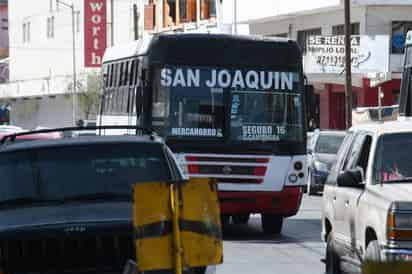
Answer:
(367, 199)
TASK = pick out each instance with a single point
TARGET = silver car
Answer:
(322, 151)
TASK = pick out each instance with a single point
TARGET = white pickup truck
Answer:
(367, 200)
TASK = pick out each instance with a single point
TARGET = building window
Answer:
(26, 32)
(188, 11)
(399, 30)
(303, 36)
(50, 27)
(4, 24)
(340, 29)
(78, 21)
(207, 9)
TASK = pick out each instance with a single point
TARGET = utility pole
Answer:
(135, 22)
(348, 67)
(235, 16)
(71, 6)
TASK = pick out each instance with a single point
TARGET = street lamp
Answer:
(74, 57)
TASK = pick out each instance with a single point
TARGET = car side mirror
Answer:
(310, 151)
(351, 178)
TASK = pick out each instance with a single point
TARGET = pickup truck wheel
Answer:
(332, 258)
(373, 252)
(240, 219)
(272, 224)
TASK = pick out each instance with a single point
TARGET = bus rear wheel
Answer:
(240, 219)
(272, 224)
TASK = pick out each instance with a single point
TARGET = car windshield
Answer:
(192, 103)
(70, 171)
(394, 158)
(328, 143)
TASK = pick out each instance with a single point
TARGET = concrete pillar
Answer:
(325, 107)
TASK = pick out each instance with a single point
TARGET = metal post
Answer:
(74, 67)
(380, 103)
(74, 59)
(348, 67)
(235, 16)
(136, 22)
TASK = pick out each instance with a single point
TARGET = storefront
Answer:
(332, 100)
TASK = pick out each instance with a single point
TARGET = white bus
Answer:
(229, 107)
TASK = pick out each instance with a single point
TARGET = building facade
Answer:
(372, 18)
(40, 88)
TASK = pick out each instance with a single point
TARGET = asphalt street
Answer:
(298, 250)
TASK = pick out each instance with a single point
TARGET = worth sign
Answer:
(95, 37)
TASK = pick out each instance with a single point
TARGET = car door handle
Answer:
(346, 203)
(334, 198)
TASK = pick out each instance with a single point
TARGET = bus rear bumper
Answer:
(285, 202)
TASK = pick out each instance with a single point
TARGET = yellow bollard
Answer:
(174, 205)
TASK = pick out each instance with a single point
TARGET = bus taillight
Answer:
(259, 171)
(193, 169)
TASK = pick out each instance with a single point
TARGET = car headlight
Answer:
(400, 221)
(319, 166)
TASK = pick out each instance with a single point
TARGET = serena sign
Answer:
(95, 37)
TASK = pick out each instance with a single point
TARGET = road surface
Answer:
(298, 250)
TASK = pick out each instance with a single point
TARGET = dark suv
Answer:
(65, 205)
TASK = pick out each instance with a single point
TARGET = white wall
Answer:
(325, 20)
(48, 112)
(248, 10)
(43, 57)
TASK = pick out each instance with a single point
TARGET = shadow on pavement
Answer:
(294, 231)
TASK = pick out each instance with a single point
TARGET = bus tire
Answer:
(272, 224)
(240, 219)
